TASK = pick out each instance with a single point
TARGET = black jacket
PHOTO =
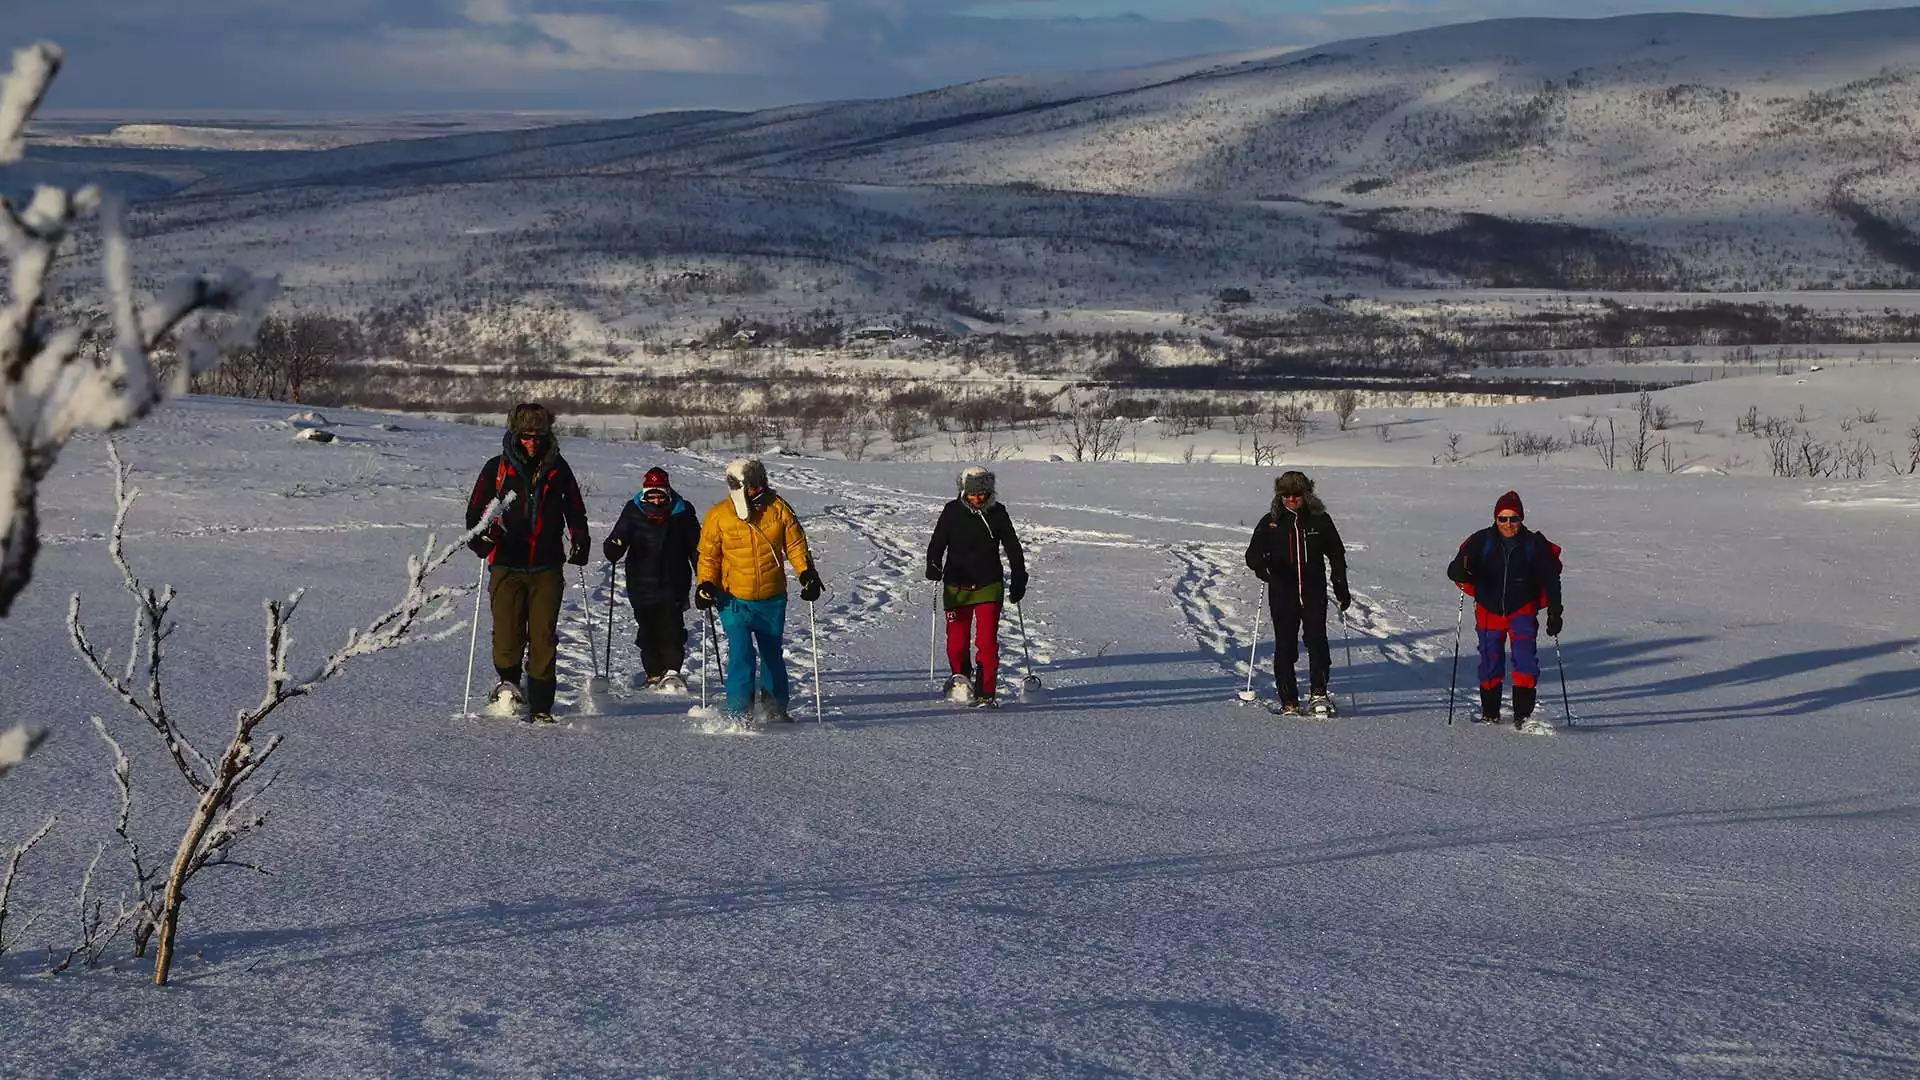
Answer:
(1519, 585)
(967, 542)
(1300, 554)
(527, 535)
(660, 554)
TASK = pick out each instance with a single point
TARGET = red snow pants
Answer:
(985, 620)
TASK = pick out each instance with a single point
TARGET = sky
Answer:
(623, 57)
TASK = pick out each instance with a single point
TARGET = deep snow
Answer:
(1711, 875)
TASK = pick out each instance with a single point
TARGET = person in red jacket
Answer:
(1512, 573)
(524, 552)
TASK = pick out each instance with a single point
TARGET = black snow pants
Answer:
(1293, 621)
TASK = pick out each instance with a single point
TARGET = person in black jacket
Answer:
(524, 552)
(964, 554)
(659, 536)
(1297, 551)
(1511, 572)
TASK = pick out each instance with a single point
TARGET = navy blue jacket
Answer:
(660, 554)
(1520, 585)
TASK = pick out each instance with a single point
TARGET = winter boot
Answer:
(1489, 705)
(1289, 688)
(1523, 698)
(540, 699)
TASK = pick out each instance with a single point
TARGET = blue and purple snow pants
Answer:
(1523, 627)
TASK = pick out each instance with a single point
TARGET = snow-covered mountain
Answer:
(1655, 151)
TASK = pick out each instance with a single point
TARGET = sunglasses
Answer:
(1507, 519)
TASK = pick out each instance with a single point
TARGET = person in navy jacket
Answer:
(1512, 573)
(658, 535)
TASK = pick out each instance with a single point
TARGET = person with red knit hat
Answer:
(658, 535)
(1512, 573)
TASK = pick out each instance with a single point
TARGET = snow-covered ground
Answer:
(1711, 874)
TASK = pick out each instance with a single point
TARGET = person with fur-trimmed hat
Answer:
(745, 543)
(964, 555)
(1297, 552)
(524, 554)
(1512, 573)
(658, 535)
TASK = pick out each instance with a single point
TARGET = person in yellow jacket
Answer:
(745, 542)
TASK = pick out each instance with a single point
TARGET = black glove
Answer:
(705, 596)
(1262, 573)
(613, 549)
(1553, 621)
(1017, 588)
(810, 587)
(1457, 572)
(1342, 599)
(934, 573)
(481, 546)
(577, 554)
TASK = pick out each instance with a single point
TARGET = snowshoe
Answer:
(986, 701)
(959, 689)
(542, 718)
(506, 700)
(1322, 705)
(671, 683)
(1284, 708)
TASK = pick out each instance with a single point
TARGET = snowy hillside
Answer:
(1683, 150)
(1706, 873)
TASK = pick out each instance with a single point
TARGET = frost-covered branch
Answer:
(145, 912)
(48, 390)
(150, 632)
(6, 882)
(226, 786)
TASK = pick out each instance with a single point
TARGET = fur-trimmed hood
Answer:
(976, 478)
(1311, 505)
(1295, 482)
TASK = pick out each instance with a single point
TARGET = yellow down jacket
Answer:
(744, 557)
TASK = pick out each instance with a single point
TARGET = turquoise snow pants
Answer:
(754, 627)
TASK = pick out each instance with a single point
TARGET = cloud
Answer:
(636, 55)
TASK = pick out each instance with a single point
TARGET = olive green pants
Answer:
(526, 618)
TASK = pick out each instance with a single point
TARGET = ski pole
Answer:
(586, 617)
(933, 638)
(1566, 706)
(706, 665)
(613, 578)
(818, 708)
(473, 639)
(1454, 679)
(1253, 654)
(1346, 639)
(1031, 681)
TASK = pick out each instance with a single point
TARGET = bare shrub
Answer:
(1345, 403)
(224, 785)
(1091, 427)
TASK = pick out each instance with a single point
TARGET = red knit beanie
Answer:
(1509, 501)
(656, 478)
